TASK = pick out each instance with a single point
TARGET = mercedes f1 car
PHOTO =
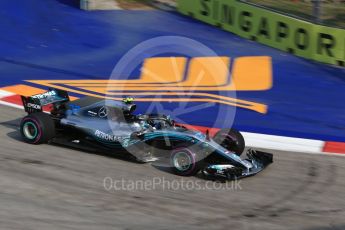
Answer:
(112, 126)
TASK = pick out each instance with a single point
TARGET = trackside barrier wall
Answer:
(305, 39)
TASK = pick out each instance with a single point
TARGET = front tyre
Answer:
(37, 128)
(230, 139)
(185, 162)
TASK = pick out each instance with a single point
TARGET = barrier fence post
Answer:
(84, 4)
(317, 8)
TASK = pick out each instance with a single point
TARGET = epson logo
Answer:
(34, 106)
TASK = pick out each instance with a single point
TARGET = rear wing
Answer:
(36, 102)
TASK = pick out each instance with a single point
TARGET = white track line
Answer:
(11, 105)
(283, 143)
(4, 93)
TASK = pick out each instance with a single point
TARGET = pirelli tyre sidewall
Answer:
(184, 161)
(37, 128)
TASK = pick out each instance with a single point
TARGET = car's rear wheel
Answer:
(185, 162)
(230, 139)
(37, 128)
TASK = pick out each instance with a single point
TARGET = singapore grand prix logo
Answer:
(196, 74)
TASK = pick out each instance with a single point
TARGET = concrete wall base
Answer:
(99, 5)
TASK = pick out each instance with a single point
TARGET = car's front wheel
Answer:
(37, 128)
(185, 162)
(230, 139)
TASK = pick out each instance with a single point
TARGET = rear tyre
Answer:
(230, 139)
(185, 162)
(37, 128)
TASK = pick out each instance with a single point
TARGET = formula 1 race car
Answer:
(111, 126)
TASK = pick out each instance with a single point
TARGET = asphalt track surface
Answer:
(52, 187)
